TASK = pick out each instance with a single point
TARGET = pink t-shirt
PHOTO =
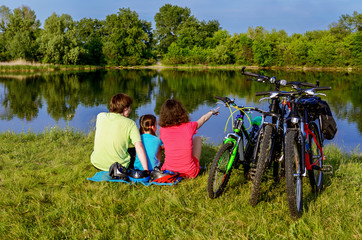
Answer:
(177, 141)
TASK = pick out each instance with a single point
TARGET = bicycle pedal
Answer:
(252, 173)
(327, 169)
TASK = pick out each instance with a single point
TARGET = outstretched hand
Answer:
(215, 111)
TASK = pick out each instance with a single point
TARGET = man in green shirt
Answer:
(115, 133)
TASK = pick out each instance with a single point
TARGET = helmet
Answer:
(139, 175)
(163, 176)
(157, 173)
(117, 171)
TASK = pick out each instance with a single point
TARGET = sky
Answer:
(235, 16)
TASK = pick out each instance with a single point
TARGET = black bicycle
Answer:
(304, 145)
(270, 143)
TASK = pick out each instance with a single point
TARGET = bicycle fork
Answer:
(238, 143)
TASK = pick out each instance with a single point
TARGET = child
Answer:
(152, 144)
(182, 150)
(115, 133)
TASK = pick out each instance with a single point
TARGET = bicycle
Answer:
(233, 153)
(270, 143)
(303, 146)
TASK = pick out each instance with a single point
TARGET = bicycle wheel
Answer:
(315, 175)
(293, 174)
(263, 155)
(218, 177)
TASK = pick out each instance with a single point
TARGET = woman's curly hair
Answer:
(172, 113)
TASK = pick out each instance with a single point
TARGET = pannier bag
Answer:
(317, 107)
(329, 125)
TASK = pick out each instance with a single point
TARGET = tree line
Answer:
(123, 39)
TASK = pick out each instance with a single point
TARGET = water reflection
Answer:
(60, 97)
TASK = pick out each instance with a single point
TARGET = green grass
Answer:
(45, 195)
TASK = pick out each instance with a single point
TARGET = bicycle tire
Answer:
(293, 174)
(261, 163)
(216, 183)
(315, 175)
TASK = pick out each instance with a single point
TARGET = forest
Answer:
(123, 39)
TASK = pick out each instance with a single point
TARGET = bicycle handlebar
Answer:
(322, 88)
(249, 73)
(228, 101)
(278, 83)
(254, 75)
(262, 93)
(225, 99)
(309, 91)
(299, 84)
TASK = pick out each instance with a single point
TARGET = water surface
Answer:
(36, 102)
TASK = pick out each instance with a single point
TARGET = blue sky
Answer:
(235, 16)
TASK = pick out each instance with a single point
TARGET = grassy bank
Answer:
(45, 195)
(24, 66)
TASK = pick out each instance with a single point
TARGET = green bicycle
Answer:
(232, 153)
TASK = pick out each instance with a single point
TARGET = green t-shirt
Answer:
(114, 134)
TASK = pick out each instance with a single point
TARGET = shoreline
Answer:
(6, 67)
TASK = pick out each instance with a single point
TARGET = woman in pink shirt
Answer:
(182, 150)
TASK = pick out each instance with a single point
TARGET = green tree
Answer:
(356, 48)
(169, 21)
(240, 49)
(219, 38)
(21, 32)
(195, 33)
(126, 38)
(262, 46)
(219, 55)
(323, 49)
(296, 53)
(174, 55)
(347, 24)
(89, 37)
(58, 43)
(4, 20)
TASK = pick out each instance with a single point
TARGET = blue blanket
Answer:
(104, 176)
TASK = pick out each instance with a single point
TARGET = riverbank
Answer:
(24, 66)
(45, 195)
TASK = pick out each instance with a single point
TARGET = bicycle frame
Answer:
(236, 137)
(302, 125)
(308, 165)
(277, 114)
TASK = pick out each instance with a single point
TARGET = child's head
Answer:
(148, 124)
(119, 103)
(173, 113)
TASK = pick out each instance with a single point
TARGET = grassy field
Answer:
(45, 195)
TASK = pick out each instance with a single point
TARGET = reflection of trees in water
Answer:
(21, 99)
(64, 92)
